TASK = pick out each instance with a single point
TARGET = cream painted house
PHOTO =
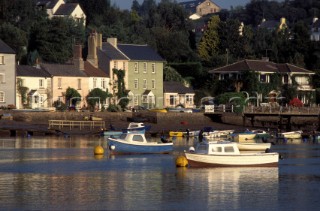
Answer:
(64, 76)
(33, 88)
(199, 8)
(176, 94)
(7, 75)
(59, 8)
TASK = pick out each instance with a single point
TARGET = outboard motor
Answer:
(191, 150)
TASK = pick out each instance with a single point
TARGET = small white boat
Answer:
(243, 137)
(254, 146)
(133, 127)
(191, 133)
(292, 134)
(217, 133)
(136, 143)
(227, 154)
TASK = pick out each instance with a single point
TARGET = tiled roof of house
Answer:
(139, 52)
(176, 87)
(259, 66)
(4, 48)
(31, 71)
(63, 70)
(49, 4)
(92, 71)
(111, 52)
(66, 9)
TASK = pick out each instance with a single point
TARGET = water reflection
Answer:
(219, 185)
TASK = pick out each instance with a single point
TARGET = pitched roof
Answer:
(139, 52)
(111, 52)
(49, 4)
(63, 70)
(92, 71)
(66, 9)
(260, 66)
(191, 6)
(176, 87)
(31, 71)
(4, 48)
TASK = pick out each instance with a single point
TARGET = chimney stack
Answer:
(77, 57)
(113, 41)
(92, 49)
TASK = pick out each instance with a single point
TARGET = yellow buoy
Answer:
(98, 150)
(181, 161)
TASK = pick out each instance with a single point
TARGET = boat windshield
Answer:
(123, 136)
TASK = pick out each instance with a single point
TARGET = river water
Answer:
(62, 173)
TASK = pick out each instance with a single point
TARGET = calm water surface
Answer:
(59, 173)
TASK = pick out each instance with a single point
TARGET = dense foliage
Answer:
(211, 41)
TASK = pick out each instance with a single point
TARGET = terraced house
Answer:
(142, 66)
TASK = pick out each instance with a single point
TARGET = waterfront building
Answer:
(7, 75)
(175, 94)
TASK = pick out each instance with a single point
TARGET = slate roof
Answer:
(49, 4)
(139, 52)
(31, 71)
(176, 87)
(66, 9)
(63, 70)
(259, 66)
(92, 71)
(111, 52)
(4, 48)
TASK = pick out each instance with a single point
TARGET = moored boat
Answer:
(243, 137)
(254, 146)
(133, 127)
(217, 133)
(292, 134)
(227, 154)
(261, 134)
(136, 143)
(176, 133)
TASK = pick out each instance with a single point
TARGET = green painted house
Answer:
(143, 68)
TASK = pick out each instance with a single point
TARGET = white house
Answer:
(7, 75)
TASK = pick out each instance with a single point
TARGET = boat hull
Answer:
(176, 133)
(244, 137)
(121, 147)
(242, 160)
(254, 146)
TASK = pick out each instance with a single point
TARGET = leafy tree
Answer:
(121, 94)
(72, 96)
(170, 74)
(234, 99)
(15, 38)
(96, 96)
(209, 43)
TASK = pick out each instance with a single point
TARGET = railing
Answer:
(76, 124)
(218, 109)
(282, 110)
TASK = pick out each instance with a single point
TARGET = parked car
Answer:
(180, 110)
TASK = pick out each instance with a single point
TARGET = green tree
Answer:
(72, 96)
(209, 43)
(15, 38)
(96, 96)
(170, 74)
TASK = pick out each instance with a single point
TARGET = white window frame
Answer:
(94, 83)
(103, 83)
(79, 83)
(136, 100)
(2, 78)
(2, 59)
(136, 67)
(59, 83)
(153, 67)
(153, 83)
(145, 85)
(136, 83)
(41, 83)
(145, 67)
(2, 97)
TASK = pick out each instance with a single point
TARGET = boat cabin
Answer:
(135, 125)
(217, 147)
